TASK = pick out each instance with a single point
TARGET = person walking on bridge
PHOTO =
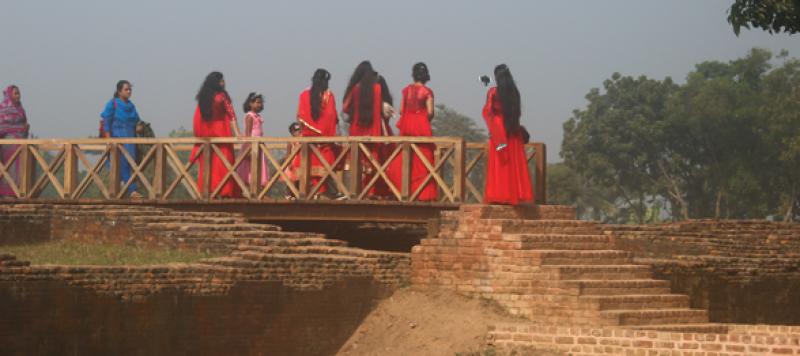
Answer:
(317, 116)
(215, 117)
(13, 125)
(120, 119)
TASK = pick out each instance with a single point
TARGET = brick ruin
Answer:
(579, 287)
(741, 271)
(273, 289)
(586, 288)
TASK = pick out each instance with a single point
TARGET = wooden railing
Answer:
(74, 169)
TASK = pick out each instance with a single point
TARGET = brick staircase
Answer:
(254, 252)
(542, 264)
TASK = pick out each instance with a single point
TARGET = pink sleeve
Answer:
(229, 109)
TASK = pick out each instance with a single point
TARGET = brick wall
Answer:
(276, 292)
(252, 318)
(745, 271)
(741, 340)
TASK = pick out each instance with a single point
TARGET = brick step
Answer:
(255, 234)
(202, 213)
(281, 260)
(708, 328)
(637, 301)
(110, 213)
(655, 316)
(571, 227)
(559, 241)
(142, 220)
(207, 227)
(259, 253)
(619, 287)
(311, 241)
(7, 257)
(608, 272)
(576, 257)
(16, 215)
(14, 263)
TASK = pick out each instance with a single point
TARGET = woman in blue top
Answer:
(119, 120)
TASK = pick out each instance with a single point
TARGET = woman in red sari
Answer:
(508, 180)
(362, 102)
(416, 113)
(215, 117)
(317, 116)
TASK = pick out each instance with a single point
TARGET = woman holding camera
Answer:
(508, 180)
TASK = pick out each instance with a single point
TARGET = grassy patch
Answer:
(76, 253)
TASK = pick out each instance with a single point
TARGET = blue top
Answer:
(124, 118)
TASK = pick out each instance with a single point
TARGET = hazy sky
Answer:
(66, 56)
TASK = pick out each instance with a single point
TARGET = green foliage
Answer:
(448, 122)
(181, 132)
(775, 16)
(62, 252)
(722, 145)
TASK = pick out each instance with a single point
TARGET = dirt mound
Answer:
(426, 323)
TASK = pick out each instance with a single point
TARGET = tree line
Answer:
(725, 144)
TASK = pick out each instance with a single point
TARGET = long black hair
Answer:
(205, 96)
(509, 98)
(386, 95)
(358, 73)
(253, 96)
(319, 84)
(420, 73)
(120, 85)
(366, 78)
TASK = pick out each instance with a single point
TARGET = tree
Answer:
(725, 145)
(780, 132)
(448, 122)
(716, 148)
(775, 16)
(616, 141)
(565, 186)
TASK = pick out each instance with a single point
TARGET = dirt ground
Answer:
(426, 323)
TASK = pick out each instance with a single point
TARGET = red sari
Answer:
(218, 126)
(351, 104)
(507, 180)
(415, 122)
(326, 125)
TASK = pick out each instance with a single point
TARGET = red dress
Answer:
(414, 122)
(326, 125)
(351, 104)
(219, 126)
(507, 180)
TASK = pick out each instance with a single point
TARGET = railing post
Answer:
(460, 170)
(70, 171)
(27, 172)
(159, 175)
(405, 190)
(113, 170)
(355, 170)
(255, 167)
(206, 188)
(541, 173)
(305, 170)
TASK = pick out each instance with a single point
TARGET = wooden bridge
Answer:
(81, 171)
